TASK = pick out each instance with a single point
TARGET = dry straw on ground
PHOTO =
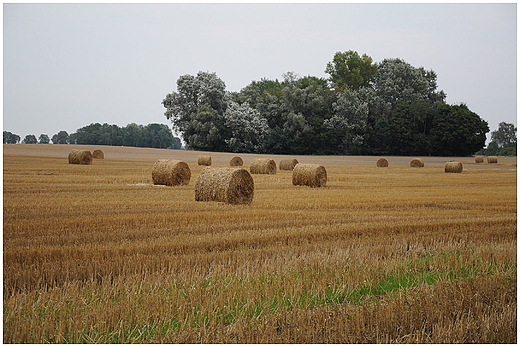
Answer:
(263, 166)
(288, 164)
(492, 160)
(230, 185)
(453, 166)
(236, 161)
(77, 156)
(479, 159)
(312, 175)
(98, 154)
(417, 162)
(382, 162)
(171, 172)
(204, 160)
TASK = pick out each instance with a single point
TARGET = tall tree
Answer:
(348, 124)
(201, 97)
(248, 129)
(397, 81)
(349, 70)
(505, 135)
(61, 138)
(457, 131)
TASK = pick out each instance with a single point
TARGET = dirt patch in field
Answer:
(153, 154)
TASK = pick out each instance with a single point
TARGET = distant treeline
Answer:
(133, 135)
(365, 108)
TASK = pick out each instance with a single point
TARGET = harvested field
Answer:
(393, 255)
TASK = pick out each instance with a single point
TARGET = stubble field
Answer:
(97, 254)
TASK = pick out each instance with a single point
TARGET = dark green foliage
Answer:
(44, 139)
(457, 131)
(387, 108)
(152, 135)
(30, 139)
(349, 70)
(9, 137)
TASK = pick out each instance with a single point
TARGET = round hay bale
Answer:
(492, 160)
(417, 162)
(453, 166)
(204, 160)
(224, 184)
(98, 154)
(236, 161)
(479, 159)
(382, 162)
(312, 175)
(263, 166)
(77, 156)
(288, 164)
(171, 172)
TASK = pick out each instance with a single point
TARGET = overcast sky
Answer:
(69, 65)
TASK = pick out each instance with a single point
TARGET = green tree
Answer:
(177, 144)
(30, 139)
(201, 97)
(44, 139)
(11, 138)
(203, 132)
(505, 135)
(457, 131)
(157, 136)
(348, 124)
(397, 81)
(248, 129)
(132, 135)
(349, 70)
(61, 138)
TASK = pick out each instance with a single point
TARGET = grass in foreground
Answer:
(96, 254)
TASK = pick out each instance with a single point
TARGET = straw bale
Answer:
(453, 166)
(288, 164)
(492, 160)
(204, 160)
(417, 162)
(382, 162)
(224, 184)
(263, 166)
(236, 161)
(171, 172)
(98, 154)
(81, 157)
(312, 175)
(479, 159)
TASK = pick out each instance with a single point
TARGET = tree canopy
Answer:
(390, 108)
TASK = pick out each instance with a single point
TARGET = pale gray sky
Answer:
(69, 65)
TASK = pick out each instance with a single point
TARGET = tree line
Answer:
(365, 108)
(133, 135)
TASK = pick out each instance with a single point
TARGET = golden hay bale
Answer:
(382, 162)
(204, 160)
(263, 166)
(236, 161)
(492, 160)
(98, 154)
(417, 162)
(453, 166)
(171, 172)
(312, 175)
(479, 159)
(288, 164)
(77, 156)
(224, 184)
